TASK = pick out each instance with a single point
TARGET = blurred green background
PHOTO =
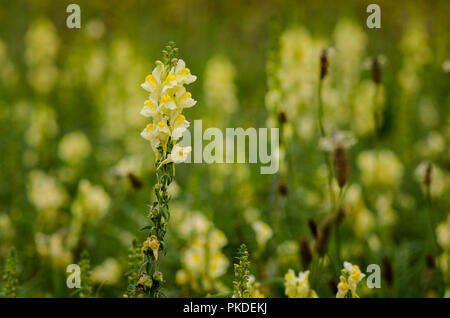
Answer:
(69, 140)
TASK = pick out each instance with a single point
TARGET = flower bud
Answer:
(158, 277)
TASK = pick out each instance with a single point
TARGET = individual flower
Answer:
(217, 265)
(150, 108)
(151, 243)
(181, 277)
(74, 147)
(342, 287)
(355, 275)
(178, 154)
(351, 276)
(179, 126)
(152, 83)
(263, 232)
(184, 99)
(91, 203)
(194, 258)
(182, 73)
(45, 192)
(298, 286)
(217, 240)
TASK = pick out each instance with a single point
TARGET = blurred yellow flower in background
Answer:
(298, 286)
(380, 168)
(91, 203)
(74, 147)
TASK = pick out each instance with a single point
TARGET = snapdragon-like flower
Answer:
(153, 244)
(343, 287)
(355, 275)
(298, 286)
(351, 276)
(167, 99)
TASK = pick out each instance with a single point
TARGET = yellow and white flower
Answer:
(355, 275)
(92, 202)
(217, 265)
(166, 101)
(203, 260)
(150, 108)
(263, 232)
(349, 280)
(184, 99)
(179, 154)
(380, 168)
(298, 286)
(179, 126)
(167, 104)
(343, 287)
(182, 73)
(153, 244)
(217, 240)
(74, 147)
(152, 82)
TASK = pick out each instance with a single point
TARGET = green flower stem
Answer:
(376, 114)
(336, 229)
(430, 218)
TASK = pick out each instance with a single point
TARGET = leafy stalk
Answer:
(10, 275)
(86, 288)
(241, 274)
